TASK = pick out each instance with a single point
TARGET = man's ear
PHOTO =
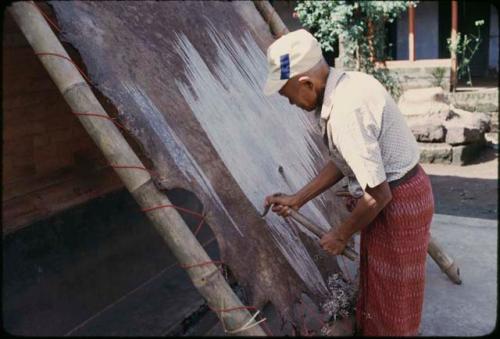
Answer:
(306, 80)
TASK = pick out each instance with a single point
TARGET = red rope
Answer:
(215, 262)
(65, 58)
(202, 216)
(204, 263)
(153, 173)
(148, 209)
(103, 116)
(202, 222)
(46, 17)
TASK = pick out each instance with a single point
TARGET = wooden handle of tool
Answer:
(444, 261)
(306, 223)
(348, 252)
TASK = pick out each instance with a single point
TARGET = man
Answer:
(370, 144)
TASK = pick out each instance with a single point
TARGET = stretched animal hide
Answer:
(185, 79)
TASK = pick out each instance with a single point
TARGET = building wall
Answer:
(493, 52)
(100, 269)
(49, 163)
(426, 32)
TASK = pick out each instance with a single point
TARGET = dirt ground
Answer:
(465, 223)
(469, 191)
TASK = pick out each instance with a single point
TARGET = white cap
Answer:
(291, 54)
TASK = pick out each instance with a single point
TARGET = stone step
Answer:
(439, 153)
(482, 100)
(492, 139)
(444, 153)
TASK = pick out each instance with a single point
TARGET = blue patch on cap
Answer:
(285, 66)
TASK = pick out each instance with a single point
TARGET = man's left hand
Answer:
(333, 242)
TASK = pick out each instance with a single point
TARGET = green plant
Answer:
(360, 27)
(438, 74)
(465, 48)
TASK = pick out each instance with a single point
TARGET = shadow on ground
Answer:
(465, 197)
(487, 154)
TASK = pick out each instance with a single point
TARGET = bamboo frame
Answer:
(446, 263)
(411, 32)
(167, 221)
(271, 17)
(453, 54)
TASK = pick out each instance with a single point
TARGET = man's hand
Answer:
(333, 242)
(283, 203)
(366, 210)
(326, 178)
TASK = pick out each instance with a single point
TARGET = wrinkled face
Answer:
(301, 92)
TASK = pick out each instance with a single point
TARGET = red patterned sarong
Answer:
(392, 262)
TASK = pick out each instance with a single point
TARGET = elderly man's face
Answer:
(301, 92)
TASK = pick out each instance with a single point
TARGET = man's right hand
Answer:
(283, 203)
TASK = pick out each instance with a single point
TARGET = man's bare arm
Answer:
(367, 208)
(328, 176)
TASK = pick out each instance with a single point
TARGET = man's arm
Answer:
(328, 176)
(367, 208)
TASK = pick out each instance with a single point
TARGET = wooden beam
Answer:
(271, 17)
(411, 32)
(453, 55)
(167, 221)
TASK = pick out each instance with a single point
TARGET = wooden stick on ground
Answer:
(444, 261)
(188, 251)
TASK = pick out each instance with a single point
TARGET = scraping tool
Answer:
(300, 218)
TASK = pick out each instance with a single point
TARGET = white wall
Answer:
(426, 32)
(493, 57)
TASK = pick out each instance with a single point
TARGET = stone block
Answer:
(460, 135)
(477, 120)
(482, 100)
(425, 109)
(465, 127)
(428, 132)
(464, 154)
(492, 140)
(435, 153)
(435, 94)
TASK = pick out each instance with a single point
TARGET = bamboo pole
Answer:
(271, 17)
(188, 251)
(453, 54)
(444, 261)
(411, 32)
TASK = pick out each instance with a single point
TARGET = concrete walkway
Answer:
(468, 309)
